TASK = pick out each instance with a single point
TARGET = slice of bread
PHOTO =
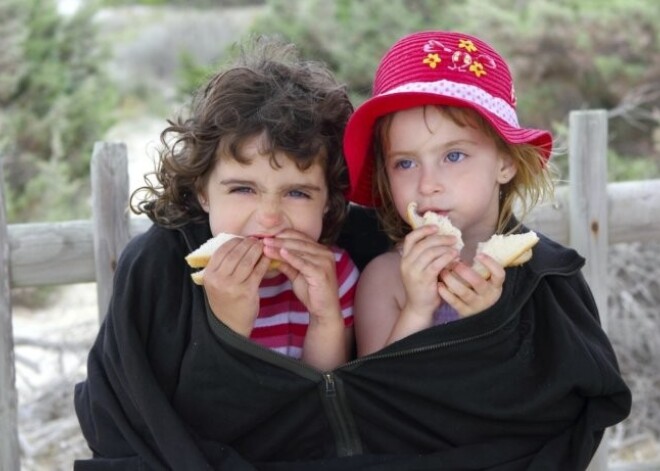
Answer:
(198, 277)
(509, 250)
(445, 227)
(200, 257)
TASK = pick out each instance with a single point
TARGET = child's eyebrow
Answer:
(399, 152)
(297, 186)
(459, 142)
(303, 186)
(236, 181)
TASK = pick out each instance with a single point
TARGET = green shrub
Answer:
(60, 103)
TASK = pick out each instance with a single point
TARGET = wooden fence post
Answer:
(588, 214)
(9, 450)
(109, 176)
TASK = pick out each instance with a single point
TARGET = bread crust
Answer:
(509, 250)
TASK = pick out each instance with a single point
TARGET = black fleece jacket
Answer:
(530, 383)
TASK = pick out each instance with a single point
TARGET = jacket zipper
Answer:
(333, 399)
(347, 439)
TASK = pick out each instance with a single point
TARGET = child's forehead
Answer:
(431, 119)
(249, 149)
(265, 161)
(276, 158)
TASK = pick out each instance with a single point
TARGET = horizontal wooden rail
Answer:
(62, 253)
(56, 253)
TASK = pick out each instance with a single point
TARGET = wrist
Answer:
(238, 325)
(421, 317)
(326, 319)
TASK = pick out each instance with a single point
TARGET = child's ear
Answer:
(203, 201)
(507, 169)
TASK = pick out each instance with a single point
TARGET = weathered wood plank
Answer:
(589, 231)
(56, 253)
(9, 451)
(634, 207)
(47, 253)
(588, 202)
(109, 175)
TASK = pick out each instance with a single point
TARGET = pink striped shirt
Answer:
(282, 321)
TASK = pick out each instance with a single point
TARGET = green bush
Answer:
(60, 103)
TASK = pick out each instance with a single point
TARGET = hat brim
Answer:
(358, 135)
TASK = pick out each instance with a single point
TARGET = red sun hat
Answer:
(435, 68)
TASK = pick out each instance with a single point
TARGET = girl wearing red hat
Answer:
(504, 354)
(441, 131)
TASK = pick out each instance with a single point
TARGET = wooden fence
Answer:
(589, 215)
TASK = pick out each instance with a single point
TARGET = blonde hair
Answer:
(533, 183)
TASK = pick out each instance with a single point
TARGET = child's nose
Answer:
(270, 214)
(430, 181)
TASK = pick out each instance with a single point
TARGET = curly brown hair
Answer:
(267, 90)
(533, 182)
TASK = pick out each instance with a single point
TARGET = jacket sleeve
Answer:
(124, 406)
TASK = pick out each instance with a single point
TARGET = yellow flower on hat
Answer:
(467, 45)
(477, 68)
(432, 60)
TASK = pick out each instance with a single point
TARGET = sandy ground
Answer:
(51, 344)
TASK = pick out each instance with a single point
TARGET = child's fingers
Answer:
(424, 251)
(420, 239)
(467, 291)
(457, 286)
(237, 257)
(496, 270)
(302, 254)
(260, 269)
(449, 297)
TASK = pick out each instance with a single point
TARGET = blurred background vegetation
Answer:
(67, 78)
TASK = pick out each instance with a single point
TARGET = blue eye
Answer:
(455, 156)
(404, 164)
(298, 194)
(240, 189)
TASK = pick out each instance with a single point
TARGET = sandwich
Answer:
(508, 250)
(200, 257)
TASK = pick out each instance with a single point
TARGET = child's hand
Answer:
(311, 268)
(467, 291)
(425, 254)
(231, 281)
